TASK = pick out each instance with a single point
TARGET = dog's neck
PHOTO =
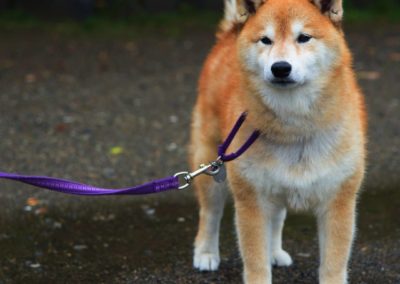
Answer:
(297, 113)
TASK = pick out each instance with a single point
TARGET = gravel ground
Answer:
(115, 112)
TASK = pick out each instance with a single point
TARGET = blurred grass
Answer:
(384, 14)
(168, 23)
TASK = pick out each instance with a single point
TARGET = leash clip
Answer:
(210, 169)
(214, 168)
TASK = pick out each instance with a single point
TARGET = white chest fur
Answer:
(302, 174)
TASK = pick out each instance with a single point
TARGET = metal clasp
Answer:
(210, 169)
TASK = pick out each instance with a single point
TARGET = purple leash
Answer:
(72, 187)
(224, 146)
(165, 184)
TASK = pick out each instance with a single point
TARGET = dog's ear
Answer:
(236, 14)
(331, 8)
(238, 11)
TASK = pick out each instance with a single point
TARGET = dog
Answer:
(287, 64)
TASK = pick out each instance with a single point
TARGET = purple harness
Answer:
(169, 183)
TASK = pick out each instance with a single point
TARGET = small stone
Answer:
(34, 265)
(28, 208)
(80, 247)
(100, 217)
(110, 217)
(172, 147)
(148, 210)
(181, 219)
(57, 225)
(41, 211)
(303, 254)
(173, 119)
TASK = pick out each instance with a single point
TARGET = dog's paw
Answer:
(206, 261)
(281, 258)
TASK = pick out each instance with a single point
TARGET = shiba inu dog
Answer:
(287, 64)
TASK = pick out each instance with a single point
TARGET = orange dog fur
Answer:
(287, 63)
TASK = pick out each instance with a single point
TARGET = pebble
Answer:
(303, 254)
(173, 119)
(148, 210)
(28, 208)
(41, 211)
(57, 225)
(34, 265)
(100, 217)
(80, 247)
(172, 147)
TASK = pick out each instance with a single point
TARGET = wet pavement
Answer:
(115, 112)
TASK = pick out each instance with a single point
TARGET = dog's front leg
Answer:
(336, 226)
(251, 225)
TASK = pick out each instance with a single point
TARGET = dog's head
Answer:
(287, 44)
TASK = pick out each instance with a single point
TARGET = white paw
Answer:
(281, 258)
(206, 261)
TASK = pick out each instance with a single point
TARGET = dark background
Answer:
(81, 9)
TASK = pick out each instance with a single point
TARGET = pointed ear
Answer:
(333, 9)
(239, 11)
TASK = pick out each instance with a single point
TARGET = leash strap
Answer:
(224, 146)
(72, 187)
(165, 184)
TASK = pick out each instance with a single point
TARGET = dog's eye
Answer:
(265, 40)
(303, 38)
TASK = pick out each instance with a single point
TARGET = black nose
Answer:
(281, 69)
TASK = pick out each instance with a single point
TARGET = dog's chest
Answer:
(300, 174)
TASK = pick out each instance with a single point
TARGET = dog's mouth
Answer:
(283, 82)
